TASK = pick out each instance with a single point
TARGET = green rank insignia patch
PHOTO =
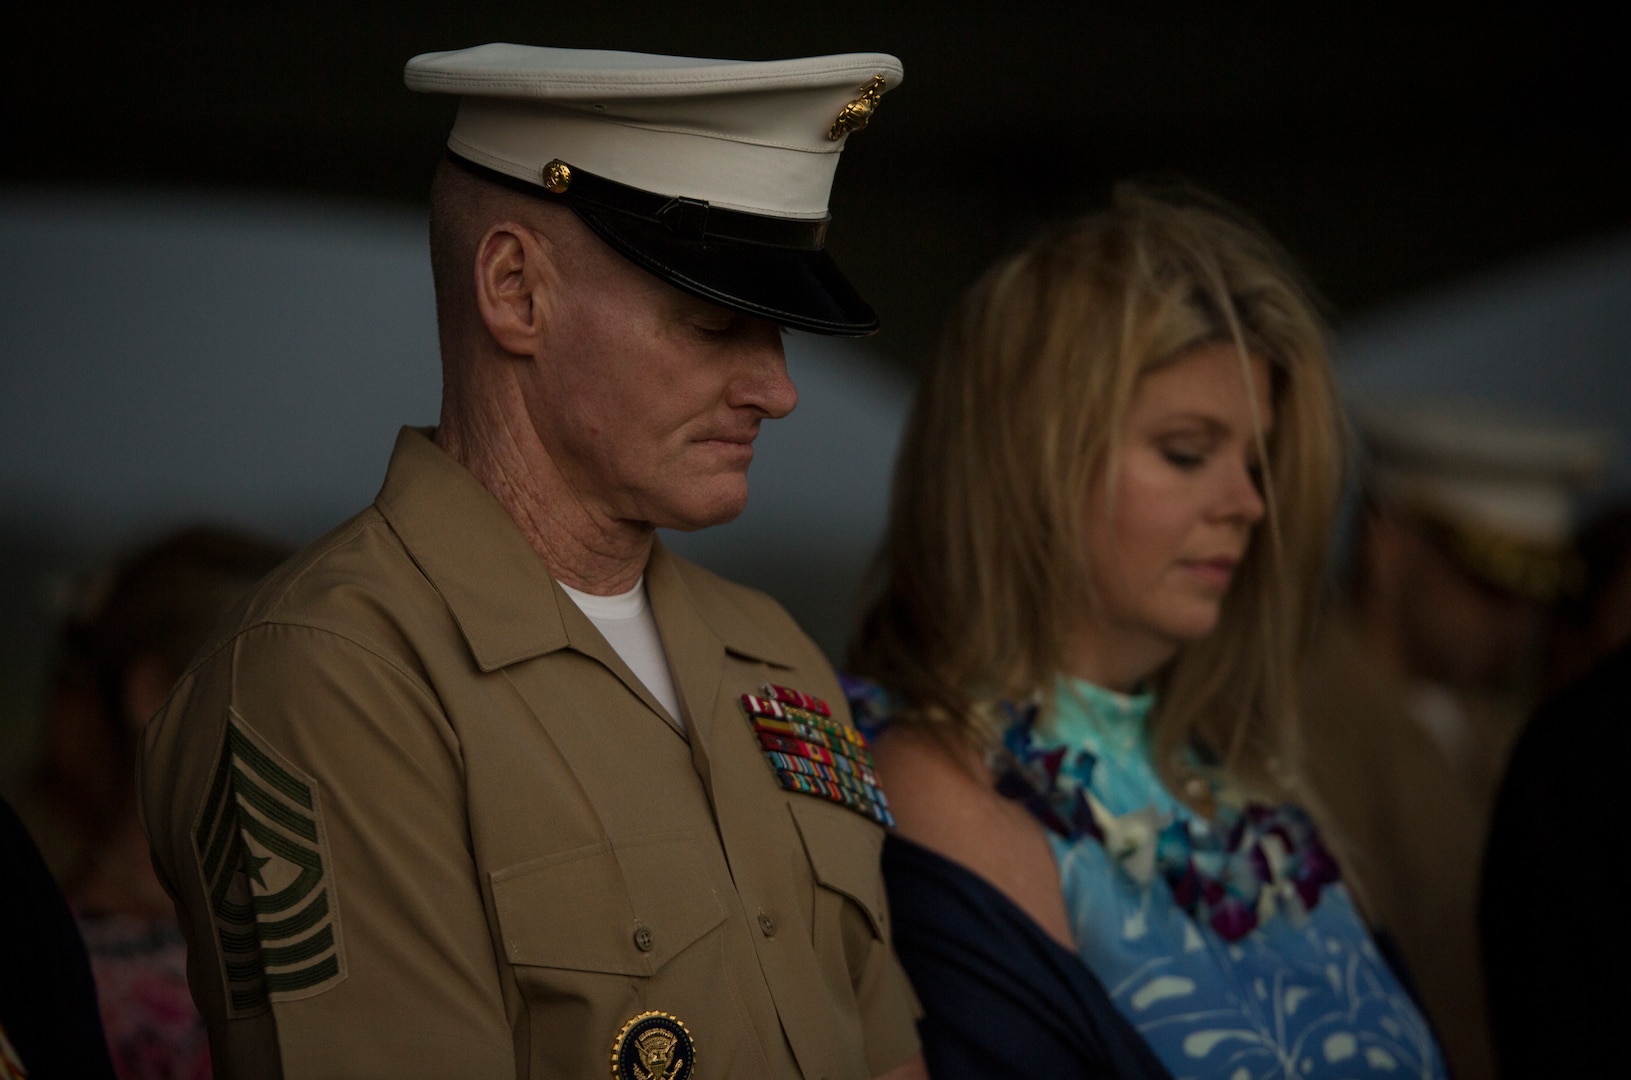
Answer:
(264, 859)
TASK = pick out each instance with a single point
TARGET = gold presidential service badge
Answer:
(653, 1046)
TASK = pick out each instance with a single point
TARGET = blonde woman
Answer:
(1108, 531)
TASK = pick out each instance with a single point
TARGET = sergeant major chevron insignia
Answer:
(264, 858)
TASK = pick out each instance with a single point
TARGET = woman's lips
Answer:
(1216, 572)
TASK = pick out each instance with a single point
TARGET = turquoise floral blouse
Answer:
(1229, 944)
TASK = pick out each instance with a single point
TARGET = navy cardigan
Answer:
(1000, 998)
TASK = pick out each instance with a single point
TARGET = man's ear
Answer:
(513, 269)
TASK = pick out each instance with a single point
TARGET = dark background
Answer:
(1388, 152)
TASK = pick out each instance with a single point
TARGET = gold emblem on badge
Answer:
(854, 116)
(653, 1046)
(558, 176)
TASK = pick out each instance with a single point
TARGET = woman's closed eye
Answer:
(1184, 456)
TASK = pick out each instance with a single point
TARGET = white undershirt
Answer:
(626, 623)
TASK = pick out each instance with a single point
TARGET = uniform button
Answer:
(767, 924)
(642, 940)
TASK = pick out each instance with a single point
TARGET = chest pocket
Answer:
(624, 907)
(844, 849)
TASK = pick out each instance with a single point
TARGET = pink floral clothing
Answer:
(140, 965)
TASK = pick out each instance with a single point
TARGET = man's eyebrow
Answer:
(687, 306)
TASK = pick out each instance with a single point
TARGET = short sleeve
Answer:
(305, 799)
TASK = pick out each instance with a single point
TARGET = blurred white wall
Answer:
(1550, 338)
(167, 358)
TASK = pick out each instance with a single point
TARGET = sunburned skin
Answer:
(626, 404)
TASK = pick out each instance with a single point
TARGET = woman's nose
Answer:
(1243, 498)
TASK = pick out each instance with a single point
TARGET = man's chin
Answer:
(693, 518)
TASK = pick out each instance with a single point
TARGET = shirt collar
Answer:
(500, 593)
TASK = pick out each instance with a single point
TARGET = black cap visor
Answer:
(804, 290)
(773, 268)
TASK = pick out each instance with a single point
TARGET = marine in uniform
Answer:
(486, 783)
(1414, 693)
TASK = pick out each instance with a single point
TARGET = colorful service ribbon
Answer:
(814, 754)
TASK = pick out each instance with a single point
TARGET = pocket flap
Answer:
(586, 909)
(844, 850)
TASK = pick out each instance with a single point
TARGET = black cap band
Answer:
(771, 268)
(687, 219)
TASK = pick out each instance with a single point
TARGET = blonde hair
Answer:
(982, 574)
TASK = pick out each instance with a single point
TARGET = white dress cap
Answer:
(717, 152)
(1494, 467)
(1498, 488)
(744, 135)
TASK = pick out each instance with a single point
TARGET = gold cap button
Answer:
(557, 176)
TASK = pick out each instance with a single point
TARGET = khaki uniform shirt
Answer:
(1408, 828)
(421, 820)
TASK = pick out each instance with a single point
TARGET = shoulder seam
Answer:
(345, 531)
(419, 685)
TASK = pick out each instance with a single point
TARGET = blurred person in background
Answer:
(1107, 535)
(1423, 671)
(49, 1024)
(1594, 618)
(1556, 966)
(125, 641)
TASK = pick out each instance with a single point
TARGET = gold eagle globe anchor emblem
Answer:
(854, 116)
(653, 1046)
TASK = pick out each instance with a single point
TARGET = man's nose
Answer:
(762, 382)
